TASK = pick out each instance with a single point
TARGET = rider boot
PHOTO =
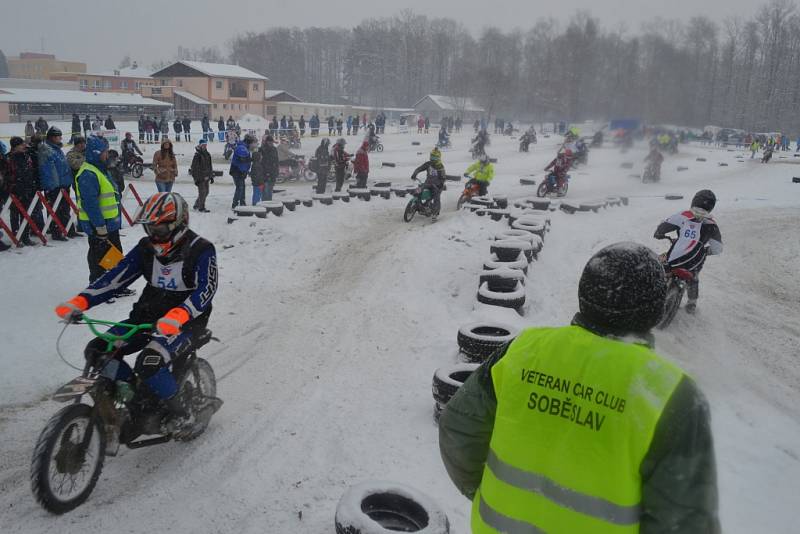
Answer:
(692, 292)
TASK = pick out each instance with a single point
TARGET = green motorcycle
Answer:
(421, 202)
(70, 451)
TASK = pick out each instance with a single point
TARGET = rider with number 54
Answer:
(698, 236)
(181, 272)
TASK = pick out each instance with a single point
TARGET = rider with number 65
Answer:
(180, 268)
(698, 236)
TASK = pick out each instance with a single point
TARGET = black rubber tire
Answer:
(501, 202)
(388, 508)
(203, 373)
(541, 191)
(410, 211)
(447, 380)
(527, 181)
(478, 341)
(137, 170)
(673, 197)
(520, 263)
(40, 465)
(671, 305)
(509, 249)
(379, 147)
(514, 299)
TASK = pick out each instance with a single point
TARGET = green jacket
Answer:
(679, 492)
(481, 173)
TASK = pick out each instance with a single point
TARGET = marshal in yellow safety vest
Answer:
(571, 431)
(107, 199)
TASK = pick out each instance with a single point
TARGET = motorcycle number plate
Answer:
(77, 387)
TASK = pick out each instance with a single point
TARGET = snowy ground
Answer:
(333, 319)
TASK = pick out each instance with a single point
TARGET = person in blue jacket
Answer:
(98, 205)
(54, 175)
(240, 166)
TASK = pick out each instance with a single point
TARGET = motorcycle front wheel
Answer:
(411, 210)
(64, 469)
(137, 170)
(541, 191)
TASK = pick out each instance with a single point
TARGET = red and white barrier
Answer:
(51, 214)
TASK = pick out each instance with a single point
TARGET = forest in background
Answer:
(736, 72)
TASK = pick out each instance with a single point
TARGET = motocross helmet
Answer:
(165, 217)
(436, 155)
(703, 202)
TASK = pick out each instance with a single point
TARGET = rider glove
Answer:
(171, 323)
(73, 308)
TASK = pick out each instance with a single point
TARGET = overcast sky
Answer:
(101, 33)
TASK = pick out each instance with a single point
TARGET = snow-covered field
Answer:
(333, 319)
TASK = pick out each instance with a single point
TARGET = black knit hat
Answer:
(622, 289)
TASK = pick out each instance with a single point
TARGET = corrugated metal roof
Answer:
(52, 96)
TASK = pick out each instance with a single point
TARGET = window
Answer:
(138, 85)
(155, 91)
(107, 84)
(84, 84)
(123, 84)
(96, 84)
(224, 106)
(237, 89)
(218, 84)
(255, 87)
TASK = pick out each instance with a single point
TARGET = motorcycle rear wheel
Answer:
(60, 459)
(379, 148)
(671, 305)
(461, 201)
(563, 191)
(199, 384)
(411, 210)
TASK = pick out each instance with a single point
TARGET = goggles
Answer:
(159, 233)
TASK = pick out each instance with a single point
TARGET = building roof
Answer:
(451, 103)
(24, 83)
(215, 70)
(277, 95)
(127, 72)
(191, 97)
(53, 96)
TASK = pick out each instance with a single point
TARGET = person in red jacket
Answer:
(361, 165)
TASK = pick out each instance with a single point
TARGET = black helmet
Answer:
(54, 132)
(704, 199)
(622, 289)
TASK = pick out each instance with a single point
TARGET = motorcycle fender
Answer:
(76, 388)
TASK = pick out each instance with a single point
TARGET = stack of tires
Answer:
(476, 343)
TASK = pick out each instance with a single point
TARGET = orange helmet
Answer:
(165, 217)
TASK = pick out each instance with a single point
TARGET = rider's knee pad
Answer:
(152, 369)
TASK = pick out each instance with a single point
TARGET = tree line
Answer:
(738, 72)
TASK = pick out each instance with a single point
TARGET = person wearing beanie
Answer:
(55, 175)
(584, 428)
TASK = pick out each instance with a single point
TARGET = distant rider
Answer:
(560, 167)
(698, 236)
(444, 138)
(180, 268)
(654, 159)
(128, 147)
(436, 175)
(481, 173)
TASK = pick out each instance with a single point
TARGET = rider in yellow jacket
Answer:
(481, 172)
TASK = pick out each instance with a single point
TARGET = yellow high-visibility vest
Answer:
(576, 414)
(107, 199)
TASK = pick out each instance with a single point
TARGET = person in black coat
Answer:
(221, 125)
(109, 124)
(141, 129)
(270, 165)
(323, 163)
(178, 127)
(206, 125)
(76, 128)
(87, 126)
(187, 128)
(302, 124)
